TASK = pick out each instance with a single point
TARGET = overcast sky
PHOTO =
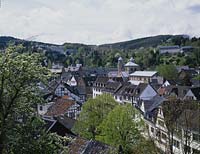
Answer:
(97, 21)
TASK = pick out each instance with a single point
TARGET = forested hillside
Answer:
(144, 51)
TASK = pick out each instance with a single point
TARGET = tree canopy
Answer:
(92, 114)
(121, 128)
(169, 72)
(32, 138)
(20, 74)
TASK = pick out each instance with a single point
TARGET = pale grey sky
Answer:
(97, 21)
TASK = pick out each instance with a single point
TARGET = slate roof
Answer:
(112, 87)
(196, 92)
(65, 76)
(126, 89)
(115, 74)
(83, 146)
(77, 90)
(139, 89)
(95, 147)
(119, 79)
(156, 101)
(131, 63)
(144, 73)
(53, 85)
(151, 107)
(60, 107)
(66, 121)
(102, 80)
(155, 86)
(172, 82)
(179, 91)
(59, 127)
(89, 80)
(195, 82)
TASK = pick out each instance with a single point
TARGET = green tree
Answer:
(35, 139)
(169, 72)
(19, 76)
(121, 128)
(92, 114)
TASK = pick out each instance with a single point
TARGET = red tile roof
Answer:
(60, 107)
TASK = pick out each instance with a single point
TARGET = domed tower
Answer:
(120, 66)
(131, 66)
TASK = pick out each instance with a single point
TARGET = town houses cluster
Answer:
(147, 91)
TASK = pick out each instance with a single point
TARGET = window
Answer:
(161, 123)
(196, 137)
(62, 89)
(176, 144)
(71, 114)
(152, 129)
(163, 136)
(41, 108)
(158, 133)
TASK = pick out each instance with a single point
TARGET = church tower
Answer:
(131, 66)
(120, 66)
